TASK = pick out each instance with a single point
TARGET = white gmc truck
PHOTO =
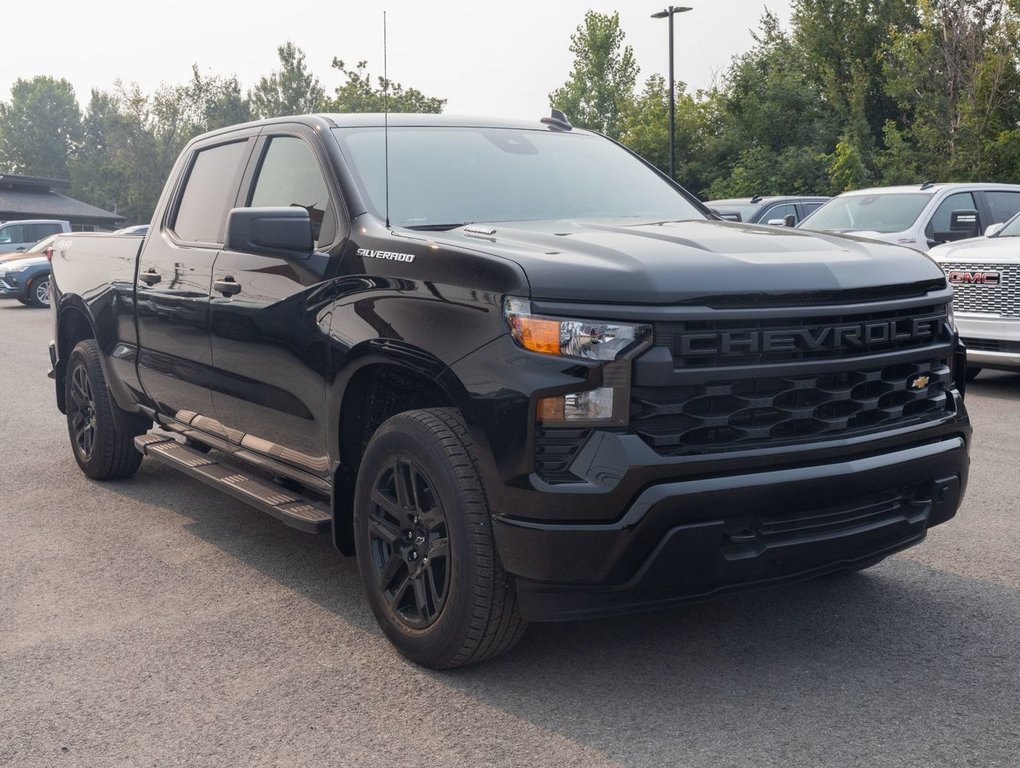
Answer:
(985, 274)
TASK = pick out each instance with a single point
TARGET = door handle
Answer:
(150, 278)
(228, 286)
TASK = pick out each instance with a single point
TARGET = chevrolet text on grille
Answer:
(823, 337)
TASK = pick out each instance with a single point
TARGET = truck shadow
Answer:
(897, 656)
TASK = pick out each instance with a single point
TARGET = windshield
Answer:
(443, 176)
(889, 212)
(1012, 228)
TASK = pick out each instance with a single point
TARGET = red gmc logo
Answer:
(974, 278)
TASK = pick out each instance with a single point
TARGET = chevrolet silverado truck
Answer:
(516, 370)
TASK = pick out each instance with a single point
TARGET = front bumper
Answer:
(992, 342)
(12, 289)
(693, 538)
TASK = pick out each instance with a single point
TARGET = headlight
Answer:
(609, 342)
(586, 339)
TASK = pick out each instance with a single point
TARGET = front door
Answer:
(269, 345)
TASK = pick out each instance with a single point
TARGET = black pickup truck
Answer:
(515, 369)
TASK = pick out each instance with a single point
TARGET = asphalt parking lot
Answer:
(157, 622)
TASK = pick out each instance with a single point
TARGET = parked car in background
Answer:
(137, 229)
(26, 276)
(920, 216)
(985, 274)
(766, 210)
(20, 235)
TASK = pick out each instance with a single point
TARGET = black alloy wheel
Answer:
(410, 545)
(81, 411)
(423, 534)
(102, 450)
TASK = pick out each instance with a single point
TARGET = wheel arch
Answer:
(382, 380)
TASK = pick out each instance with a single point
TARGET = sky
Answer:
(498, 59)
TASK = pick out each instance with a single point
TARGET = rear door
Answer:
(175, 274)
(269, 346)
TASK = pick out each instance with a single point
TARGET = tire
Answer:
(39, 291)
(426, 554)
(26, 302)
(972, 372)
(102, 451)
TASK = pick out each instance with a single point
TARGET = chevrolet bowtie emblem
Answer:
(919, 382)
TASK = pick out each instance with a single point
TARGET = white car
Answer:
(920, 216)
(985, 274)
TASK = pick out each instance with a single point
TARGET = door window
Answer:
(778, 212)
(939, 226)
(209, 193)
(1004, 205)
(290, 176)
(13, 233)
(39, 231)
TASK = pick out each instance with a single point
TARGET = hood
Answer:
(22, 262)
(986, 250)
(674, 262)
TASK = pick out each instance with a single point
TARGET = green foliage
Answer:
(358, 94)
(290, 90)
(956, 80)
(603, 77)
(39, 128)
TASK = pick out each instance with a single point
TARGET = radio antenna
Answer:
(386, 120)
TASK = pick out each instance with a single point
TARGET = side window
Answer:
(290, 175)
(1004, 205)
(209, 193)
(13, 233)
(811, 207)
(938, 227)
(778, 212)
(39, 231)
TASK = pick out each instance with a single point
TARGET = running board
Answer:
(292, 509)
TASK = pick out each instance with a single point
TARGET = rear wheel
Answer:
(102, 451)
(424, 541)
(39, 291)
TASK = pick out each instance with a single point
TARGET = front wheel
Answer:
(39, 291)
(102, 451)
(425, 549)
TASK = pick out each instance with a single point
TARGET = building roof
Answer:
(32, 197)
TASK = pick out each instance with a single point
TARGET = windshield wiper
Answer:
(437, 227)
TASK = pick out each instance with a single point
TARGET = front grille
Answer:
(1002, 299)
(710, 343)
(992, 345)
(742, 413)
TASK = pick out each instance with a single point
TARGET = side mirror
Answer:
(790, 220)
(282, 232)
(964, 223)
(728, 216)
(777, 222)
(994, 229)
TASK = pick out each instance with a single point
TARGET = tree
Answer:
(358, 94)
(603, 77)
(39, 128)
(956, 80)
(841, 42)
(291, 90)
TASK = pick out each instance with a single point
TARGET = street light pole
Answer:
(669, 13)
